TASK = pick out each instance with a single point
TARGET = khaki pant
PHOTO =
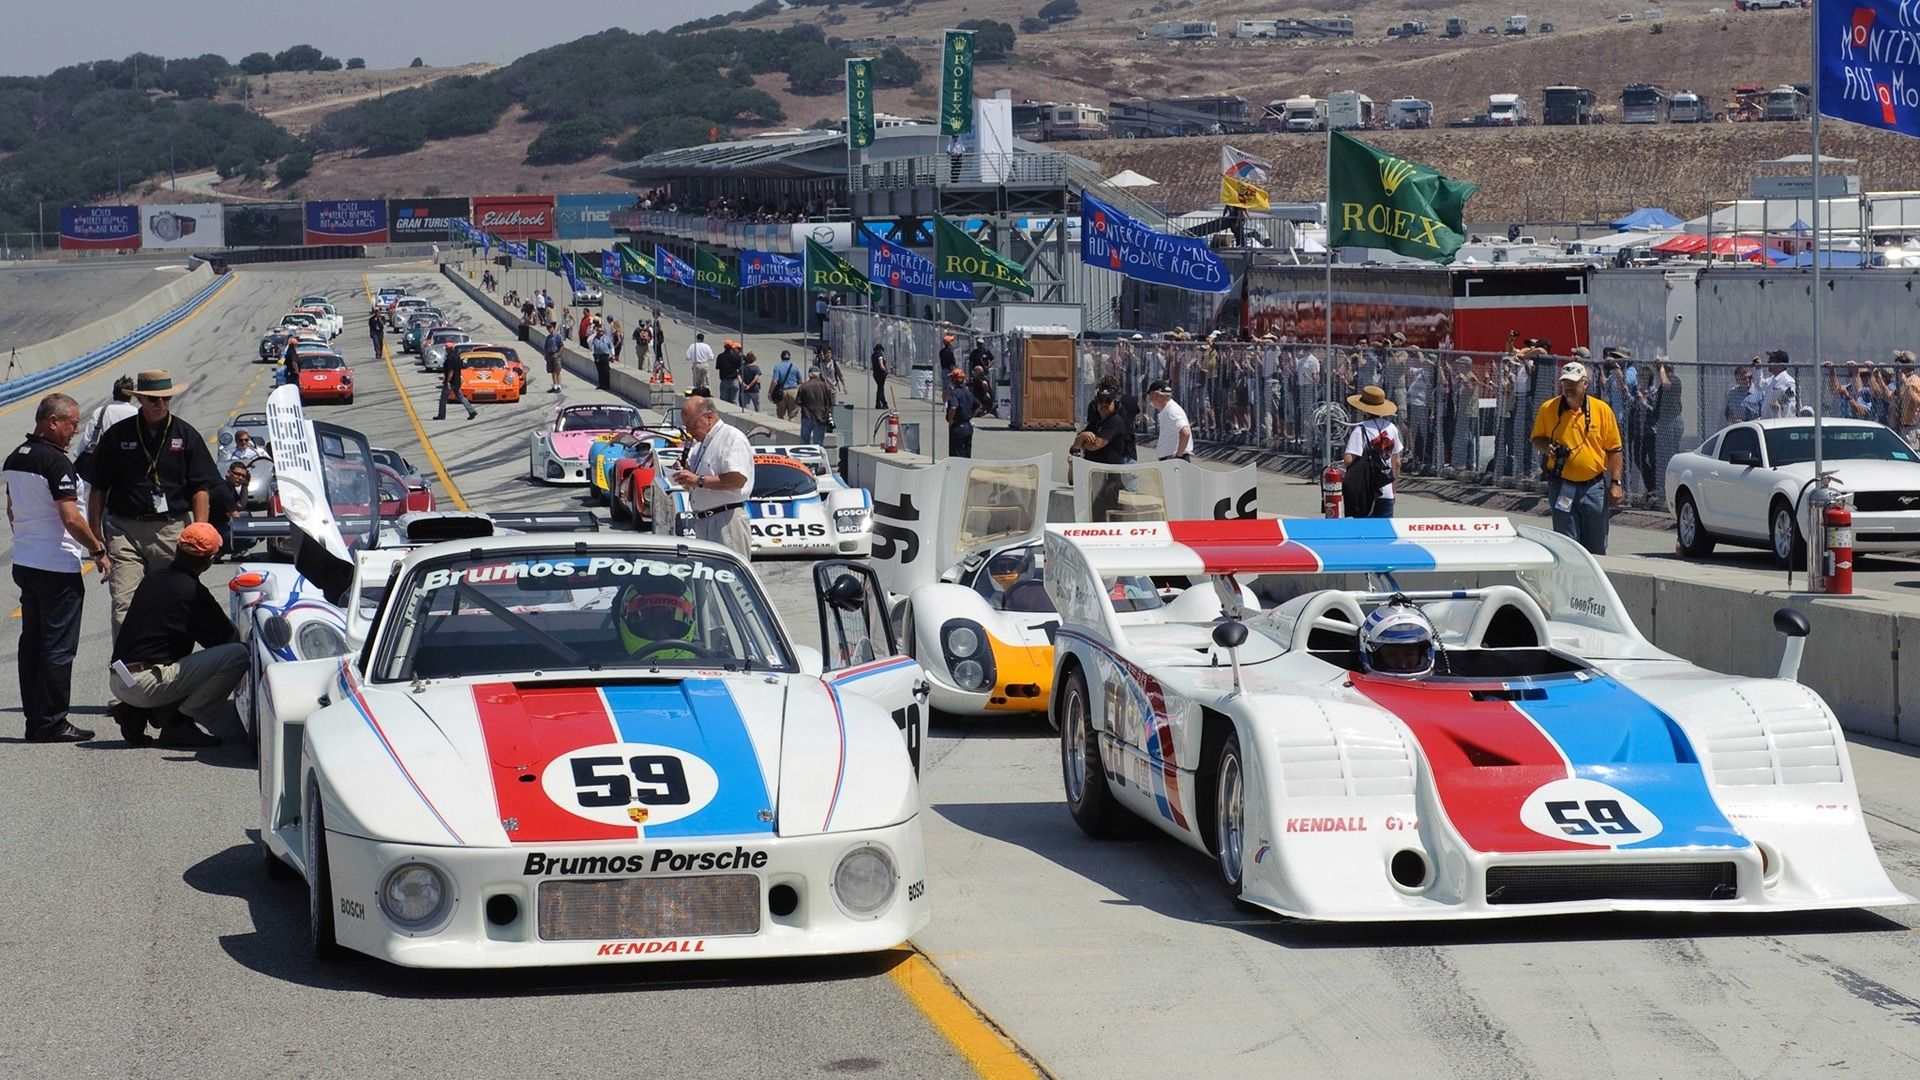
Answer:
(788, 406)
(191, 687)
(728, 528)
(137, 547)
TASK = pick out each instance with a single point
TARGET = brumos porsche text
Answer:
(567, 568)
(665, 860)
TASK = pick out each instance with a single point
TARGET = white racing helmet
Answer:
(1397, 641)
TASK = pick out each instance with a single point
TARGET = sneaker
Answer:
(133, 723)
(60, 732)
(183, 733)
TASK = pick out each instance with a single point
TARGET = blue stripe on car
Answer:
(699, 717)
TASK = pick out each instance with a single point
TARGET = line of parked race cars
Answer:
(495, 741)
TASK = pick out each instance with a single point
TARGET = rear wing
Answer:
(813, 456)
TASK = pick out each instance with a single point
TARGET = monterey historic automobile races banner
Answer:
(515, 217)
(759, 269)
(347, 221)
(428, 219)
(588, 217)
(183, 225)
(892, 266)
(85, 228)
(1113, 241)
(266, 224)
(672, 267)
(1870, 62)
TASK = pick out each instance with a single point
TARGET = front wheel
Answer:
(1089, 799)
(319, 882)
(1789, 546)
(1230, 818)
(1695, 543)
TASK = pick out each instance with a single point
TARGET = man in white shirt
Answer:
(717, 473)
(1779, 396)
(1381, 433)
(700, 358)
(1176, 434)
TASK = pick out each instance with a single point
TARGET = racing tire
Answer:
(1230, 818)
(1784, 539)
(1083, 775)
(320, 933)
(1695, 541)
(616, 510)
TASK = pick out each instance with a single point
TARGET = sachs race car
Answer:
(966, 567)
(799, 506)
(557, 451)
(1388, 744)
(594, 749)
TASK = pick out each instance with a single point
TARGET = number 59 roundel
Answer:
(624, 783)
(1588, 812)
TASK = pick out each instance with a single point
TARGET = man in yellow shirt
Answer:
(1580, 440)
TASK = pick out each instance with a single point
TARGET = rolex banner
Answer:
(959, 257)
(956, 84)
(712, 272)
(891, 266)
(828, 272)
(634, 265)
(1378, 200)
(1243, 179)
(587, 265)
(859, 103)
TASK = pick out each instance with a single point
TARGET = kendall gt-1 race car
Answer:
(557, 451)
(1388, 744)
(799, 506)
(962, 559)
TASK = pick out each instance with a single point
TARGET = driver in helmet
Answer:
(1397, 641)
(655, 608)
(1004, 571)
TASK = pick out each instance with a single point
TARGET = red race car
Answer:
(324, 376)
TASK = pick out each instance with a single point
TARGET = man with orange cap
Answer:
(157, 676)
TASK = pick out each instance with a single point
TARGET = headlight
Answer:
(413, 896)
(962, 641)
(317, 640)
(852, 520)
(554, 471)
(969, 674)
(864, 881)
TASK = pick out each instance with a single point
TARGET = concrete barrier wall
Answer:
(102, 332)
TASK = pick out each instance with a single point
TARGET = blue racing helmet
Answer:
(1397, 640)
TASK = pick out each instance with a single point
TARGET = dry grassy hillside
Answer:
(296, 100)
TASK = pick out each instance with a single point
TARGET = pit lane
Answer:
(152, 945)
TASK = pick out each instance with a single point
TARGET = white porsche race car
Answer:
(799, 505)
(967, 573)
(596, 749)
(557, 451)
(1549, 761)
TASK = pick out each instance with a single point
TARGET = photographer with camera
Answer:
(1580, 438)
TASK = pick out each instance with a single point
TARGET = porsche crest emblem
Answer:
(638, 814)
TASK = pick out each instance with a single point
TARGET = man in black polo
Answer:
(50, 541)
(1104, 442)
(152, 472)
(156, 675)
(451, 386)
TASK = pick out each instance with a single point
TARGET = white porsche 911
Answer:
(1373, 750)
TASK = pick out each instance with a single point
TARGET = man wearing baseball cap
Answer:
(1580, 439)
(1176, 433)
(157, 676)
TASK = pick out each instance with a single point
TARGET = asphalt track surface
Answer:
(143, 940)
(44, 300)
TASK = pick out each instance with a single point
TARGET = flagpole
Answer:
(1326, 362)
(1819, 406)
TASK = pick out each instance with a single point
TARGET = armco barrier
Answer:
(150, 316)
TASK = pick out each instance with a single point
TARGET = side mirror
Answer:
(1746, 458)
(278, 632)
(1232, 634)
(847, 594)
(1792, 623)
(226, 437)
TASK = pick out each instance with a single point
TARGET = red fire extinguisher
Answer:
(1331, 483)
(1837, 522)
(893, 433)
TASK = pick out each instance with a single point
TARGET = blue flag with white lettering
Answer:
(892, 266)
(1870, 62)
(765, 268)
(1113, 241)
(610, 265)
(672, 267)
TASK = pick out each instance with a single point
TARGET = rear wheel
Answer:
(1089, 799)
(1229, 818)
(319, 881)
(1695, 542)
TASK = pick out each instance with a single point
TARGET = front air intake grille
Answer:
(1881, 502)
(709, 905)
(1622, 881)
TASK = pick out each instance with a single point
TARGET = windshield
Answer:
(598, 418)
(1793, 445)
(320, 361)
(474, 361)
(623, 610)
(781, 478)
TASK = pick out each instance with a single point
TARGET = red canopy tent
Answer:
(1740, 247)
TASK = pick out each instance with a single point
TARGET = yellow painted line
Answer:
(976, 1037)
(226, 280)
(406, 402)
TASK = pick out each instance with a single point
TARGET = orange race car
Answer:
(487, 375)
(324, 376)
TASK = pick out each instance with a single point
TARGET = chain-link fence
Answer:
(911, 346)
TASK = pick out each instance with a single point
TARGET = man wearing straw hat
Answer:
(153, 472)
(1381, 435)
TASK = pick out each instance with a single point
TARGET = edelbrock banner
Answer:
(588, 217)
(1869, 67)
(892, 266)
(98, 228)
(347, 221)
(1113, 241)
(183, 225)
(428, 219)
(515, 217)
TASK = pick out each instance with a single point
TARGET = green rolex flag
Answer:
(828, 272)
(632, 262)
(547, 255)
(587, 265)
(1375, 199)
(959, 257)
(859, 103)
(712, 273)
(956, 84)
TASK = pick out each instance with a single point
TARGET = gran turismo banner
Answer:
(515, 217)
(1113, 241)
(1375, 199)
(588, 217)
(892, 266)
(761, 269)
(956, 84)
(859, 103)
(266, 224)
(97, 228)
(425, 219)
(182, 225)
(1869, 64)
(347, 221)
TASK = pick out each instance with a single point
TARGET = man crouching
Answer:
(159, 679)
